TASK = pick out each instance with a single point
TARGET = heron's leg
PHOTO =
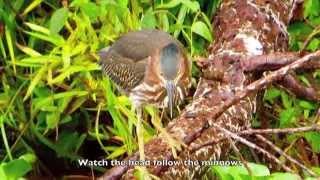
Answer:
(143, 170)
(162, 113)
(140, 133)
(173, 143)
(179, 110)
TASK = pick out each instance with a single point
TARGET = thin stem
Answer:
(140, 134)
(96, 129)
(278, 150)
(4, 137)
(284, 130)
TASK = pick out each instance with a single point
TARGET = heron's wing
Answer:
(123, 71)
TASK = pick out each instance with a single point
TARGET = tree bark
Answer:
(243, 29)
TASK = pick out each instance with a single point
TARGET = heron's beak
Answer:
(170, 87)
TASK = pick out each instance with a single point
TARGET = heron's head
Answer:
(171, 60)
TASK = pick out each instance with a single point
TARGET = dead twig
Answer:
(282, 153)
(236, 150)
(253, 146)
(290, 83)
(307, 41)
(283, 130)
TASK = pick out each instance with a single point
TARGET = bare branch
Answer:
(290, 83)
(282, 153)
(253, 146)
(278, 131)
(236, 150)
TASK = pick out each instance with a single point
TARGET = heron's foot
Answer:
(144, 174)
(175, 145)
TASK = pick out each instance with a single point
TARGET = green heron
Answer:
(151, 67)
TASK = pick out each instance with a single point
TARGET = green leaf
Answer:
(170, 4)
(222, 172)
(313, 138)
(64, 147)
(278, 176)
(202, 29)
(311, 178)
(315, 21)
(31, 6)
(304, 80)
(271, 94)
(17, 4)
(14, 169)
(38, 28)
(307, 105)
(316, 169)
(38, 61)
(286, 100)
(192, 5)
(287, 117)
(28, 51)
(54, 38)
(311, 8)
(124, 100)
(117, 152)
(65, 119)
(316, 74)
(76, 104)
(52, 119)
(44, 103)
(257, 169)
(180, 20)
(313, 45)
(73, 69)
(29, 157)
(164, 21)
(299, 30)
(78, 3)
(149, 20)
(10, 47)
(123, 3)
(240, 172)
(91, 10)
(58, 19)
(35, 81)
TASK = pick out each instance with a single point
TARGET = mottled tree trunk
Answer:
(243, 29)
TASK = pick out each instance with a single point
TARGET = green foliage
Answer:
(313, 138)
(17, 168)
(271, 94)
(292, 108)
(258, 171)
(58, 19)
(52, 90)
(201, 29)
(311, 8)
(291, 111)
(302, 30)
